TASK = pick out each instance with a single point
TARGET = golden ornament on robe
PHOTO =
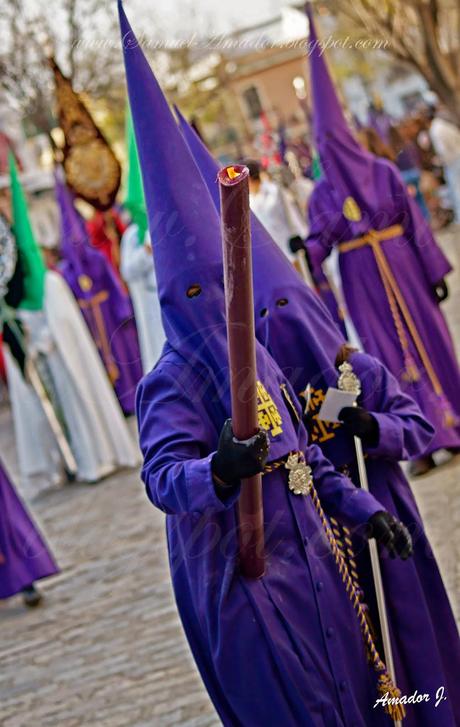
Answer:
(351, 210)
(300, 479)
(348, 381)
(85, 282)
(267, 412)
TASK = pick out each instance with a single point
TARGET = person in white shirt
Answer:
(276, 209)
(137, 270)
(445, 137)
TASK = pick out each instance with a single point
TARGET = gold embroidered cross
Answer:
(268, 414)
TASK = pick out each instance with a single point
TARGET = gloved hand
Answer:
(236, 459)
(441, 291)
(361, 423)
(296, 243)
(391, 533)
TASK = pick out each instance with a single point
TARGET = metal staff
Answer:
(348, 381)
(236, 242)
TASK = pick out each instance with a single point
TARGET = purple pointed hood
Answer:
(186, 239)
(349, 169)
(186, 251)
(291, 321)
(79, 258)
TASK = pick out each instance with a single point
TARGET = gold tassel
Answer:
(411, 373)
(385, 687)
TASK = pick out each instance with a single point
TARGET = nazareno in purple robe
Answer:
(423, 630)
(304, 343)
(105, 306)
(387, 276)
(285, 649)
(24, 556)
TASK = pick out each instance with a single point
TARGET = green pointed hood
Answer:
(316, 171)
(31, 257)
(134, 193)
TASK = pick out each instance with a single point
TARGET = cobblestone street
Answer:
(106, 649)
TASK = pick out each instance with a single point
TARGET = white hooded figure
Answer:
(95, 428)
(137, 270)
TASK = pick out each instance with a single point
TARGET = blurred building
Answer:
(239, 85)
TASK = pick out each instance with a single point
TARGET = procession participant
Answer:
(297, 618)
(276, 209)
(445, 137)
(391, 268)
(24, 555)
(307, 348)
(58, 342)
(105, 306)
(136, 262)
(105, 230)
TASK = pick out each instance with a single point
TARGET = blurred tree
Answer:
(84, 37)
(422, 33)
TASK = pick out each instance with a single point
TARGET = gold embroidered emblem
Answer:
(267, 412)
(351, 210)
(85, 282)
(300, 479)
(319, 430)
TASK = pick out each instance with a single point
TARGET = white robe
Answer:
(278, 213)
(99, 435)
(137, 270)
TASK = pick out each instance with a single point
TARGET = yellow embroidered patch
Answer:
(319, 431)
(267, 412)
(85, 282)
(351, 210)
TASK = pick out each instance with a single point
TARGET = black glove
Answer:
(391, 533)
(360, 423)
(236, 459)
(441, 291)
(296, 243)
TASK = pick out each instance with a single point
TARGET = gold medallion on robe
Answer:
(85, 282)
(300, 479)
(351, 210)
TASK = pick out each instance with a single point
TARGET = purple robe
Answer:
(285, 649)
(390, 264)
(24, 556)
(423, 630)
(105, 305)
(417, 264)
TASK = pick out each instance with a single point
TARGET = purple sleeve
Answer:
(339, 497)
(173, 439)
(319, 241)
(418, 231)
(403, 431)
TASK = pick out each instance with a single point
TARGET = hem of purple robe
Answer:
(22, 583)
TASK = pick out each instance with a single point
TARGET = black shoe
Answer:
(31, 597)
(421, 466)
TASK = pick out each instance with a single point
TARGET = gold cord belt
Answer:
(400, 312)
(294, 462)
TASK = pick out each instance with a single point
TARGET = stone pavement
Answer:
(106, 649)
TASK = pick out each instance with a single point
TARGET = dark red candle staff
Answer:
(236, 241)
